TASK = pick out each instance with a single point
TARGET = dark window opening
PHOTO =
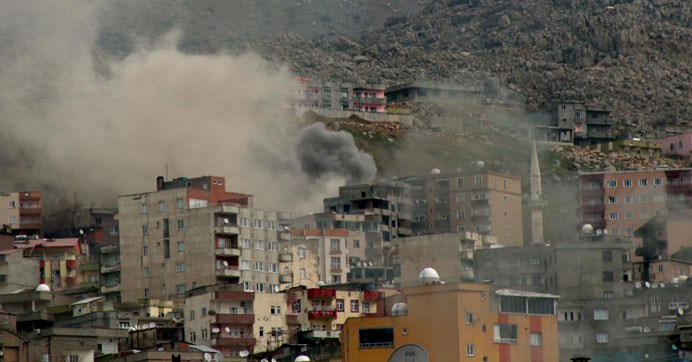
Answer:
(376, 338)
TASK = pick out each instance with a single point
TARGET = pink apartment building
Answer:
(678, 146)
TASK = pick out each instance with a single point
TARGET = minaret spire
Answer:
(536, 202)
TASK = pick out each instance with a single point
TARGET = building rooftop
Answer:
(522, 293)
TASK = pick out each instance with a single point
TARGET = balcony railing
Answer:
(110, 288)
(285, 236)
(107, 249)
(30, 211)
(292, 319)
(108, 268)
(322, 313)
(229, 272)
(285, 279)
(227, 229)
(235, 318)
(371, 295)
(285, 257)
(245, 341)
(230, 295)
(227, 251)
(94, 266)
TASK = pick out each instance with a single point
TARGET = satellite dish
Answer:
(273, 360)
(244, 353)
(276, 289)
(654, 285)
(81, 232)
(647, 284)
(225, 263)
(215, 330)
(207, 356)
(605, 231)
(599, 232)
(132, 329)
(369, 263)
(152, 325)
(637, 285)
(662, 285)
(681, 311)
(226, 221)
(264, 360)
(359, 264)
(227, 329)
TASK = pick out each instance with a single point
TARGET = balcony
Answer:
(372, 295)
(285, 257)
(292, 319)
(326, 313)
(480, 203)
(480, 219)
(30, 226)
(229, 295)
(227, 230)
(93, 266)
(107, 249)
(109, 268)
(30, 211)
(285, 236)
(321, 293)
(369, 100)
(232, 342)
(227, 252)
(229, 272)
(235, 318)
(322, 335)
(285, 279)
(110, 288)
(589, 208)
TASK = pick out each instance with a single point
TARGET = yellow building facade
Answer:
(458, 322)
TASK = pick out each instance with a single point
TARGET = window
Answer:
(607, 276)
(354, 306)
(145, 230)
(258, 224)
(460, 214)
(245, 264)
(273, 267)
(272, 246)
(335, 245)
(478, 180)
(259, 245)
(534, 261)
(259, 287)
(460, 184)
(460, 198)
(612, 199)
(602, 337)
(145, 208)
(114, 231)
(505, 333)
(627, 199)
(658, 182)
(340, 305)
(613, 216)
(376, 338)
(536, 280)
(627, 183)
(470, 350)
(181, 246)
(607, 256)
(643, 182)
(301, 253)
(180, 289)
(146, 293)
(245, 243)
(535, 339)
(356, 244)
(612, 184)
(572, 316)
(244, 222)
(180, 203)
(600, 314)
(162, 206)
(488, 263)
(607, 295)
(145, 271)
(302, 273)
(336, 263)
(259, 265)
(469, 318)
(643, 198)
(192, 315)
(74, 358)
(181, 224)
(179, 267)
(366, 307)
(145, 250)
(629, 215)
(643, 214)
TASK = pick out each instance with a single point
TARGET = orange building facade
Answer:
(458, 322)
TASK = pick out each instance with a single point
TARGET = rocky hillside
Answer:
(636, 55)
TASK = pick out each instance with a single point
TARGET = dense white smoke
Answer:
(82, 122)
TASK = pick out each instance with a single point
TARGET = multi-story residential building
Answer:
(58, 260)
(368, 224)
(362, 97)
(31, 306)
(336, 250)
(434, 92)
(168, 236)
(483, 202)
(571, 121)
(678, 146)
(633, 146)
(419, 252)
(22, 212)
(457, 322)
(109, 271)
(299, 263)
(16, 271)
(389, 204)
(664, 255)
(621, 202)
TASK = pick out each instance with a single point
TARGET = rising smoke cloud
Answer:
(75, 121)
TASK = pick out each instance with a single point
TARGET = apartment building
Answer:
(375, 251)
(574, 121)
(664, 255)
(483, 202)
(434, 92)
(22, 212)
(621, 202)
(633, 146)
(192, 232)
(678, 146)
(344, 96)
(457, 322)
(58, 260)
(451, 254)
(16, 271)
(299, 263)
(109, 271)
(388, 204)
(336, 250)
